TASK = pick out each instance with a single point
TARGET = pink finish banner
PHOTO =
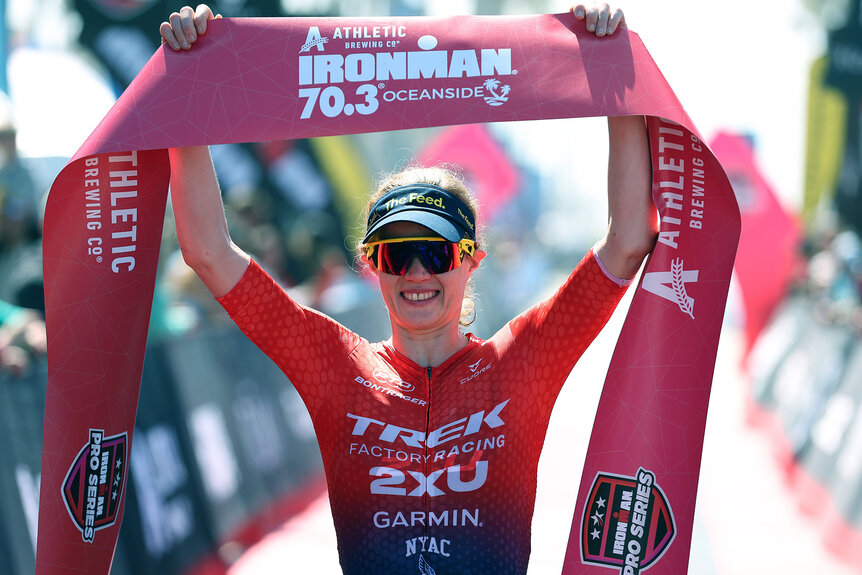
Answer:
(269, 79)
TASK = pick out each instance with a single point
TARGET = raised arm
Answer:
(195, 196)
(632, 217)
(199, 216)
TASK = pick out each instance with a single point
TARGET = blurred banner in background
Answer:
(488, 169)
(806, 365)
(806, 377)
(845, 74)
(827, 125)
(766, 260)
(123, 35)
(282, 182)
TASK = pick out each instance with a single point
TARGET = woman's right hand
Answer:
(601, 20)
(183, 28)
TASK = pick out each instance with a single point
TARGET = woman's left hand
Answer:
(601, 20)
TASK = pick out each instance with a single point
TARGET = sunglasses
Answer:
(438, 255)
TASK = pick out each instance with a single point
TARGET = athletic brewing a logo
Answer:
(671, 285)
(94, 484)
(314, 40)
(627, 523)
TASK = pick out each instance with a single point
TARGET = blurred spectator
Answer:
(20, 246)
(22, 302)
(22, 338)
(334, 288)
(834, 275)
(181, 303)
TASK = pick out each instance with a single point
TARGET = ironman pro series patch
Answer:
(94, 484)
(627, 523)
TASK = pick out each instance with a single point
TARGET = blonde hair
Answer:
(449, 178)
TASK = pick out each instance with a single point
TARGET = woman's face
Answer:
(419, 301)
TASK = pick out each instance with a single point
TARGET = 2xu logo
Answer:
(627, 523)
(94, 484)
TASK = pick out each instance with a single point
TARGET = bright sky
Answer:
(734, 65)
(740, 65)
(57, 108)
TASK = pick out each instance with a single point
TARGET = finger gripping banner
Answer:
(264, 79)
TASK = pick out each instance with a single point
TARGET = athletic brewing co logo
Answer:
(314, 40)
(94, 484)
(671, 285)
(627, 523)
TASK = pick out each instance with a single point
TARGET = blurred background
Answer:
(225, 474)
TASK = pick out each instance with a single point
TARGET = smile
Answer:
(419, 296)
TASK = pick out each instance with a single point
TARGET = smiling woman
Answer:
(459, 219)
(469, 434)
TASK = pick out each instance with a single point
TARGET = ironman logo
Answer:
(627, 523)
(94, 484)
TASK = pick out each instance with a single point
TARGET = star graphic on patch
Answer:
(119, 463)
(596, 533)
(598, 517)
(600, 502)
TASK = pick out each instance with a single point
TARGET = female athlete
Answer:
(430, 440)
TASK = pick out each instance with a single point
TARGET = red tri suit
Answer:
(430, 470)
